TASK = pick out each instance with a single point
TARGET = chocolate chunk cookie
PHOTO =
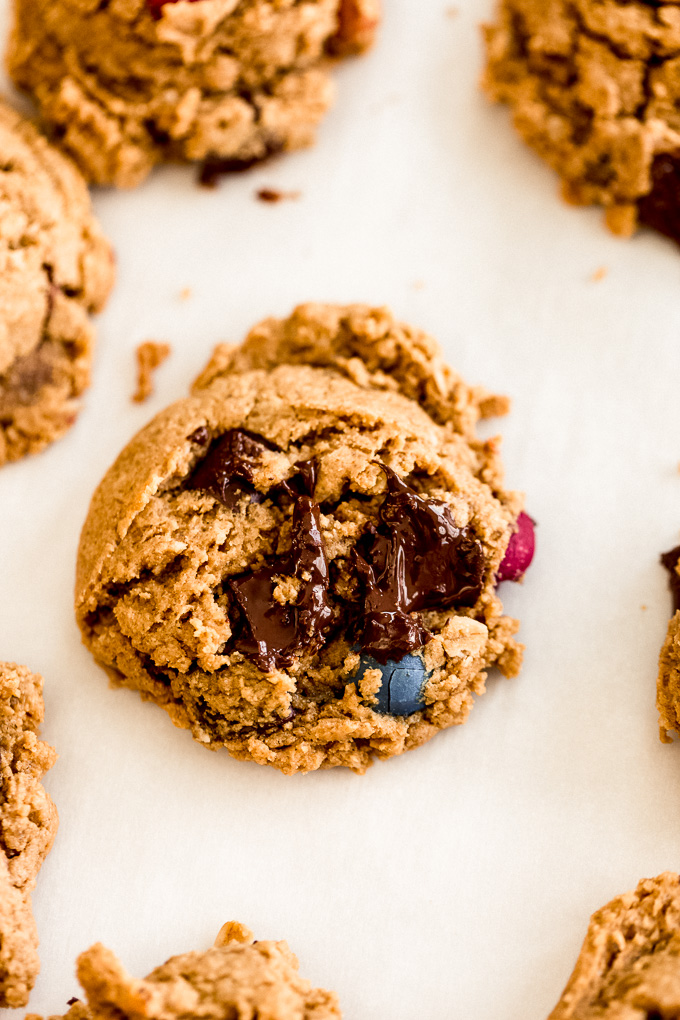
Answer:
(28, 825)
(55, 267)
(131, 83)
(594, 86)
(629, 965)
(238, 979)
(300, 562)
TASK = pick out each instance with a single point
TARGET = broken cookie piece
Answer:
(668, 683)
(629, 965)
(594, 88)
(28, 825)
(55, 268)
(124, 86)
(301, 561)
(150, 355)
(237, 978)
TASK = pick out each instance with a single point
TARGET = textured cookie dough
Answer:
(177, 563)
(131, 83)
(238, 979)
(55, 267)
(28, 825)
(629, 965)
(668, 683)
(594, 87)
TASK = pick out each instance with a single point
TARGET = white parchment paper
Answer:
(456, 881)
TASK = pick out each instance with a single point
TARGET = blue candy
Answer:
(401, 692)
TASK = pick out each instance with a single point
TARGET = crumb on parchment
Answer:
(150, 355)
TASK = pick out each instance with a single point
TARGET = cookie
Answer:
(237, 979)
(28, 825)
(594, 88)
(300, 562)
(668, 683)
(55, 267)
(131, 83)
(629, 965)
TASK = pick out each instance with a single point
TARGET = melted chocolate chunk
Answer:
(670, 560)
(272, 635)
(660, 209)
(227, 471)
(416, 559)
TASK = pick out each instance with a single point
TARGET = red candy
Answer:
(520, 551)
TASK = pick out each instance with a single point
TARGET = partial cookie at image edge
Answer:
(237, 977)
(629, 964)
(594, 89)
(28, 825)
(55, 269)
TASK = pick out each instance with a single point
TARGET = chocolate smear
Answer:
(214, 167)
(201, 436)
(417, 558)
(660, 209)
(670, 560)
(272, 635)
(227, 471)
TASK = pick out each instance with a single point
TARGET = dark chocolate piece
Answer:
(25, 378)
(201, 435)
(227, 471)
(272, 635)
(416, 559)
(670, 561)
(660, 209)
(213, 167)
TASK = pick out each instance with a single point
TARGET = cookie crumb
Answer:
(234, 931)
(599, 274)
(150, 355)
(419, 285)
(643, 608)
(452, 11)
(185, 293)
(273, 195)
